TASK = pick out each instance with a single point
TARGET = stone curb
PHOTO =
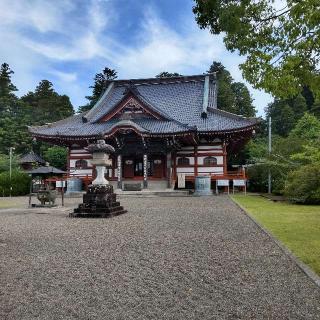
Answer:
(301, 265)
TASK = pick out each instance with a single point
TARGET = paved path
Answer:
(168, 258)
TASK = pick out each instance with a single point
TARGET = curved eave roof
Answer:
(73, 127)
(179, 100)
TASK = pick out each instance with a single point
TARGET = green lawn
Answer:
(297, 226)
(5, 204)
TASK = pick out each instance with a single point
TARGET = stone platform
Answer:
(99, 202)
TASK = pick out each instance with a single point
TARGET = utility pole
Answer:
(269, 150)
(10, 167)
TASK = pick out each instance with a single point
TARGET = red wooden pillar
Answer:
(195, 161)
(174, 162)
(225, 168)
(68, 162)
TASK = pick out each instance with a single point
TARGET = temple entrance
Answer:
(128, 168)
(133, 167)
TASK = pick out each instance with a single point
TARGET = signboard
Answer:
(181, 180)
(239, 183)
(223, 183)
(60, 184)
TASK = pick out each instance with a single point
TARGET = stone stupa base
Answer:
(98, 202)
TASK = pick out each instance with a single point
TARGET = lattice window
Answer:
(184, 161)
(210, 161)
(81, 164)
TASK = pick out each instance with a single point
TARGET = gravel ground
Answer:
(167, 258)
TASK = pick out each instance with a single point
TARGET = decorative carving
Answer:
(132, 109)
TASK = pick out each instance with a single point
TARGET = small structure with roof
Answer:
(31, 160)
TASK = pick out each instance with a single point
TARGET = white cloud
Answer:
(64, 76)
(61, 34)
(43, 16)
(163, 49)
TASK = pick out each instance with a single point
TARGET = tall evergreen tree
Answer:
(7, 88)
(243, 100)
(101, 82)
(226, 98)
(232, 96)
(46, 105)
(282, 115)
(12, 114)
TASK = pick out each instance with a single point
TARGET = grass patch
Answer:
(297, 226)
(5, 204)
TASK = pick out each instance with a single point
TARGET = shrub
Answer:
(57, 156)
(303, 185)
(20, 182)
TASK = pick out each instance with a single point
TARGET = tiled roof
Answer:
(31, 157)
(179, 100)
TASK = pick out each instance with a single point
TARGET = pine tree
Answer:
(232, 96)
(6, 86)
(243, 100)
(46, 105)
(101, 82)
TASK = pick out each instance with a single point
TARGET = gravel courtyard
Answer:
(167, 258)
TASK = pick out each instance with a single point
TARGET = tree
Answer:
(232, 96)
(56, 156)
(226, 98)
(46, 105)
(299, 106)
(101, 82)
(281, 46)
(307, 128)
(243, 101)
(282, 115)
(6, 86)
(12, 114)
(166, 74)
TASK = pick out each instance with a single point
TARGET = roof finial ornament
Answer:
(205, 97)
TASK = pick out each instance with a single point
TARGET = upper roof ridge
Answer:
(164, 80)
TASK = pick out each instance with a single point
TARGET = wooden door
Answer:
(158, 168)
(128, 168)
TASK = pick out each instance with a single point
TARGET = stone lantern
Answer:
(99, 200)
(100, 158)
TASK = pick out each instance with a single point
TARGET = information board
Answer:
(181, 180)
(239, 183)
(223, 183)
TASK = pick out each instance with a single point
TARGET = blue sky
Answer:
(69, 41)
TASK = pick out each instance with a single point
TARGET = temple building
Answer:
(163, 130)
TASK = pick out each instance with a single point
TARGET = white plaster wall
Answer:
(82, 172)
(219, 160)
(209, 148)
(185, 170)
(210, 169)
(188, 148)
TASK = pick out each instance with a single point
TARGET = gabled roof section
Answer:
(172, 98)
(134, 104)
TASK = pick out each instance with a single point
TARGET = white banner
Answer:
(181, 180)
